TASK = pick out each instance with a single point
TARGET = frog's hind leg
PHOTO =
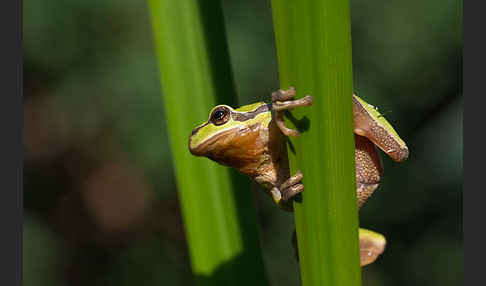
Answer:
(365, 191)
(368, 168)
(368, 122)
(283, 100)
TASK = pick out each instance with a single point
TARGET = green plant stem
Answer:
(218, 212)
(314, 54)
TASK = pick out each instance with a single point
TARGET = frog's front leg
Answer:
(283, 194)
(283, 100)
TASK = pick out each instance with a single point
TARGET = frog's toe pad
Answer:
(283, 95)
(292, 180)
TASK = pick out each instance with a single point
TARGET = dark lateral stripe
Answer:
(194, 131)
(243, 116)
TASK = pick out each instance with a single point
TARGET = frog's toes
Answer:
(291, 104)
(292, 180)
(283, 100)
(292, 191)
(292, 186)
(284, 129)
(283, 95)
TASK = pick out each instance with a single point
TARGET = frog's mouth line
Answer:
(203, 148)
(224, 139)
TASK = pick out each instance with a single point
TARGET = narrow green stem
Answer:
(314, 54)
(219, 217)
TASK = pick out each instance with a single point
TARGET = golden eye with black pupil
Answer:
(220, 116)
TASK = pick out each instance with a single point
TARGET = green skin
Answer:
(252, 139)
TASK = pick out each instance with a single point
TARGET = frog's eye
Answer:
(220, 115)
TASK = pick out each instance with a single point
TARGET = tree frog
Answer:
(253, 138)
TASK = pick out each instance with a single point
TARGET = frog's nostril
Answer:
(194, 131)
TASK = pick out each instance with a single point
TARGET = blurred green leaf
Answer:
(219, 219)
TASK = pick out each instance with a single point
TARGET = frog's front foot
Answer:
(283, 100)
(284, 194)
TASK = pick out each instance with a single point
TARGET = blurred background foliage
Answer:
(100, 201)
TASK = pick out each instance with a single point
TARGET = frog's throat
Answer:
(244, 149)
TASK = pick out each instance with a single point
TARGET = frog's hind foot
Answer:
(371, 246)
(283, 100)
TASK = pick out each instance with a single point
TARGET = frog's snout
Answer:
(194, 149)
(191, 149)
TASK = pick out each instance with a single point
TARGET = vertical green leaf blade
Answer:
(314, 54)
(219, 216)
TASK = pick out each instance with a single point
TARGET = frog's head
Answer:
(229, 134)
